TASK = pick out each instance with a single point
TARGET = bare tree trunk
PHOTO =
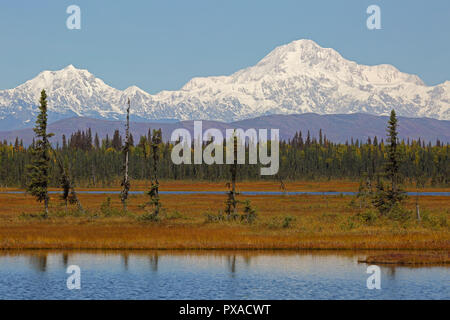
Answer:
(46, 206)
(93, 174)
(418, 212)
(154, 190)
(233, 188)
(282, 186)
(126, 182)
(233, 178)
(417, 206)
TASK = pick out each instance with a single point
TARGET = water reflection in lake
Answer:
(212, 275)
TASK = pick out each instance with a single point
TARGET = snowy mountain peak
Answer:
(302, 53)
(298, 77)
(68, 78)
(133, 90)
(295, 58)
(69, 67)
(305, 57)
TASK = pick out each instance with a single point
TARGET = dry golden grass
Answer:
(317, 222)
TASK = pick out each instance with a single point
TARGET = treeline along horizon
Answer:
(99, 162)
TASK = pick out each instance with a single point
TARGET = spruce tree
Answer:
(38, 170)
(392, 195)
(96, 142)
(395, 194)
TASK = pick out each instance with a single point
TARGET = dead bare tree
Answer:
(420, 183)
(154, 202)
(282, 185)
(231, 203)
(126, 149)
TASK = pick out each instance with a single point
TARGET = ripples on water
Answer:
(211, 275)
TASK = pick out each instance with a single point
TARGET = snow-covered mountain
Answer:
(295, 78)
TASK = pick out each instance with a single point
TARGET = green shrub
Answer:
(368, 217)
(280, 222)
(214, 217)
(149, 217)
(328, 217)
(287, 222)
(174, 215)
(353, 204)
(67, 213)
(108, 211)
(443, 221)
(399, 213)
(434, 221)
(249, 215)
(39, 216)
(348, 224)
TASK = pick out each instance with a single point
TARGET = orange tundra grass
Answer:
(284, 222)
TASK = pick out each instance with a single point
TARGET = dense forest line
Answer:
(99, 162)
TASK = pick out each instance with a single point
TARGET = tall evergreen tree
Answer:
(64, 142)
(392, 194)
(40, 165)
(116, 141)
(96, 141)
(395, 193)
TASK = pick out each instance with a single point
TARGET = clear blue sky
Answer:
(159, 45)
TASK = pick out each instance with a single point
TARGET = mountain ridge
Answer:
(337, 127)
(298, 77)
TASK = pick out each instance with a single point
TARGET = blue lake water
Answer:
(212, 275)
(249, 193)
